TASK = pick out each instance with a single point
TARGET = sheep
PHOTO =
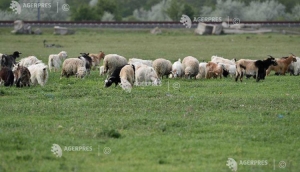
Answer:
(7, 76)
(101, 70)
(39, 74)
(217, 59)
(81, 72)
(9, 60)
(30, 60)
(146, 75)
(177, 70)
(283, 64)
(253, 67)
(70, 66)
(96, 59)
(202, 70)
(112, 61)
(114, 77)
(22, 76)
(214, 70)
(145, 62)
(162, 67)
(190, 66)
(294, 67)
(55, 60)
(127, 76)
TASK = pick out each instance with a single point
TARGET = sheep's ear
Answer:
(106, 81)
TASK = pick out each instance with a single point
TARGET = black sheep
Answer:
(114, 78)
(7, 76)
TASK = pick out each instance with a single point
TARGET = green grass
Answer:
(193, 128)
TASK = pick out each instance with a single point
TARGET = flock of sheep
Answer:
(138, 72)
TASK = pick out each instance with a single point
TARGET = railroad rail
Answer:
(97, 24)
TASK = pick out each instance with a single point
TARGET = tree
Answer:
(175, 10)
(188, 10)
(84, 13)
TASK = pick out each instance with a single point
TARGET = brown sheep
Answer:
(96, 59)
(22, 76)
(213, 70)
(283, 64)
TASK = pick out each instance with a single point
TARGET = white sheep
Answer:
(177, 70)
(28, 61)
(231, 69)
(81, 72)
(162, 67)
(127, 77)
(70, 66)
(217, 59)
(55, 60)
(190, 66)
(202, 70)
(145, 62)
(39, 74)
(112, 61)
(146, 75)
(101, 70)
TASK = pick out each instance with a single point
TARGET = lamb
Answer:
(202, 70)
(217, 59)
(96, 59)
(81, 72)
(39, 74)
(162, 67)
(55, 60)
(145, 62)
(146, 75)
(7, 76)
(190, 66)
(88, 63)
(177, 70)
(127, 75)
(214, 70)
(22, 76)
(70, 66)
(30, 60)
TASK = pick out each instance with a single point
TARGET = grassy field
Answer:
(183, 125)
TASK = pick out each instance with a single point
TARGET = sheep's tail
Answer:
(179, 60)
(44, 73)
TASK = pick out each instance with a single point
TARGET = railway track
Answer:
(140, 24)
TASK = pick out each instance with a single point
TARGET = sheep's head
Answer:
(16, 54)
(101, 55)
(108, 82)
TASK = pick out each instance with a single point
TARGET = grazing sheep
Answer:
(283, 64)
(294, 67)
(22, 76)
(177, 70)
(253, 67)
(101, 70)
(202, 70)
(114, 77)
(190, 66)
(9, 60)
(146, 75)
(217, 59)
(127, 76)
(214, 70)
(96, 59)
(162, 67)
(39, 74)
(70, 66)
(30, 60)
(7, 76)
(112, 61)
(55, 60)
(81, 72)
(145, 62)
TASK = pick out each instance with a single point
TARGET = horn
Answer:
(270, 56)
(292, 54)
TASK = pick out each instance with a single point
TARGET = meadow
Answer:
(183, 125)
